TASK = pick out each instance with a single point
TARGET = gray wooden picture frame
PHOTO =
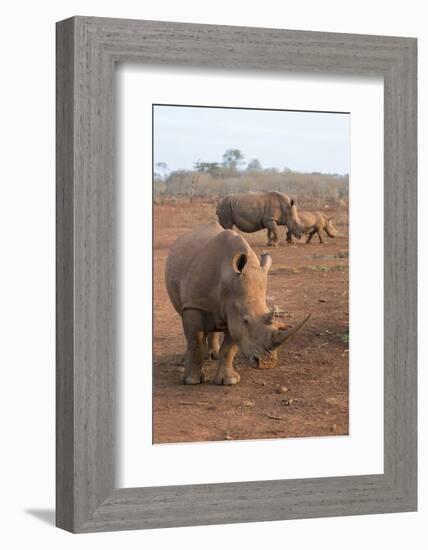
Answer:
(87, 50)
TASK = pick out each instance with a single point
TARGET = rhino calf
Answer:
(311, 223)
(217, 283)
(252, 212)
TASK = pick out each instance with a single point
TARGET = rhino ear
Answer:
(265, 261)
(239, 262)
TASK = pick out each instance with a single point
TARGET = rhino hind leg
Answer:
(196, 346)
(224, 220)
(226, 374)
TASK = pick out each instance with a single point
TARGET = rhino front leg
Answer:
(273, 233)
(196, 344)
(311, 234)
(226, 374)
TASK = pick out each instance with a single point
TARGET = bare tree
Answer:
(198, 165)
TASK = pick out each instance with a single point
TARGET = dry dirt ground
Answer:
(307, 394)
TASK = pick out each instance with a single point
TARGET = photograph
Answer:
(210, 284)
(250, 273)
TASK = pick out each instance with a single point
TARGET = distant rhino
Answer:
(252, 212)
(217, 284)
(314, 222)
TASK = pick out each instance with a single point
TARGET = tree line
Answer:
(235, 175)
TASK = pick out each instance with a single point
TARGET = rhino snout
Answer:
(263, 362)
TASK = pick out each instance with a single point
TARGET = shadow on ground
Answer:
(46, 515)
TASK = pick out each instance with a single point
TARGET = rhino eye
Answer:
(246, 320)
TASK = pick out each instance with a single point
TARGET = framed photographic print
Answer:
(236, 274)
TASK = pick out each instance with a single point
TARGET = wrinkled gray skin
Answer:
(252, 212)
(217, 284)
(314, 222)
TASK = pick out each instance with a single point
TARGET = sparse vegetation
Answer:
(327, 268)
(345, 338)
(276, 269)
(216, 180)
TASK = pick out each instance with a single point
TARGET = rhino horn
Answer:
(280, 336)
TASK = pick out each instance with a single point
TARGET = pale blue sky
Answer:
(301, 141)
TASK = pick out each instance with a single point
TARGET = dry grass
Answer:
(314, 187)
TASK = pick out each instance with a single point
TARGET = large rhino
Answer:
(217, 283)
(251, 212)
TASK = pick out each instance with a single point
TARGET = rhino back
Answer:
(182, 254)
(309, 219)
